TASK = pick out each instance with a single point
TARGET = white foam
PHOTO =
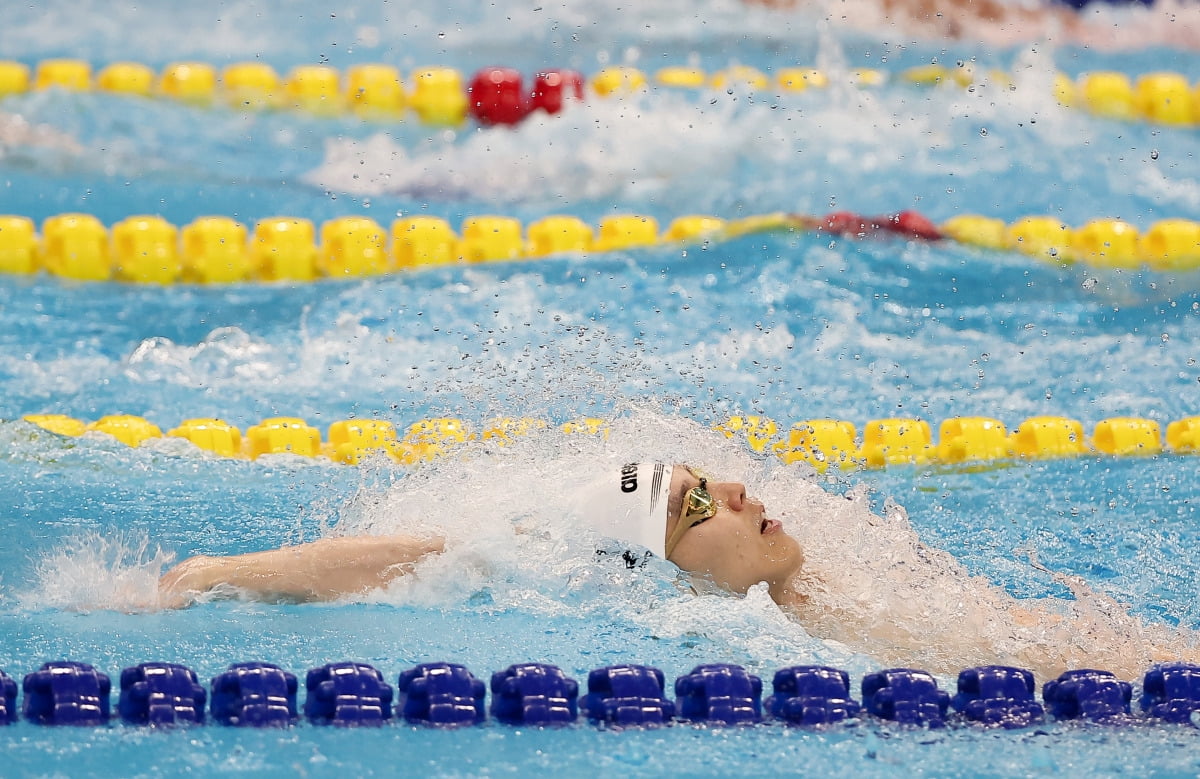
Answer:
(873, 588)
(98, 571)
(600, 149)
(874, 585)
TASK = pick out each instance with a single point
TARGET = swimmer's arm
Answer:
(316, 571)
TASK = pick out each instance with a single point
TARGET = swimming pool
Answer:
(789, 325)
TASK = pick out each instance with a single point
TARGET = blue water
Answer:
(790, 326)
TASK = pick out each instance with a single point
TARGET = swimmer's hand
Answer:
(181, 586)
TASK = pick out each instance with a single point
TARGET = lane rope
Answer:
(354, 694)
(821, 443)
(220, 250)
(441, 96)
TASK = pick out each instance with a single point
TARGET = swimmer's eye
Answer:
(698, 506)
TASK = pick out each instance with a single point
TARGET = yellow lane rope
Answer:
(819, 442)
(220, 250)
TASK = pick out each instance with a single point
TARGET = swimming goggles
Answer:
(698, 506)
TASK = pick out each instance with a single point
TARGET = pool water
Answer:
(662, 341)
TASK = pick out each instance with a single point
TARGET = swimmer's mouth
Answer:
(768, 526)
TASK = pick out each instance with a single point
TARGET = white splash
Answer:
(872, 584)
(594, 150)
(117, 572)
(874, 589)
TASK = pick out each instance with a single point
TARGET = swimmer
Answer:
(1106, 25)
(708, 528)
(17, 132)
(939, 618)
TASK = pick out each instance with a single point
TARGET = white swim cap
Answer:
(629, 505)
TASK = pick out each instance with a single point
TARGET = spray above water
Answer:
(871, 590)
(94, 571)
(595, 150)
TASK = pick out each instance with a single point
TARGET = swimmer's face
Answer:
(738, 546)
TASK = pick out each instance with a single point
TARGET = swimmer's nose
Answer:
(732, 494)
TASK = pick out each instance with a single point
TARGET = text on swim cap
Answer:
(629, 478)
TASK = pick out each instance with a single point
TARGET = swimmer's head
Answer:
(707, 527)
(630, 505)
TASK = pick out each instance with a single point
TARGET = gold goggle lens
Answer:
(698, 506)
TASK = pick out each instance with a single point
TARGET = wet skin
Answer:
(735, 549)
(739, 546)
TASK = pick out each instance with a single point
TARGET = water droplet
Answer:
(983, 132)
(1154, 154)
(1090, 284)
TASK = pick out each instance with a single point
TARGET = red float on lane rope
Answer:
(552, 88)
(906, 223)
(497, 96)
